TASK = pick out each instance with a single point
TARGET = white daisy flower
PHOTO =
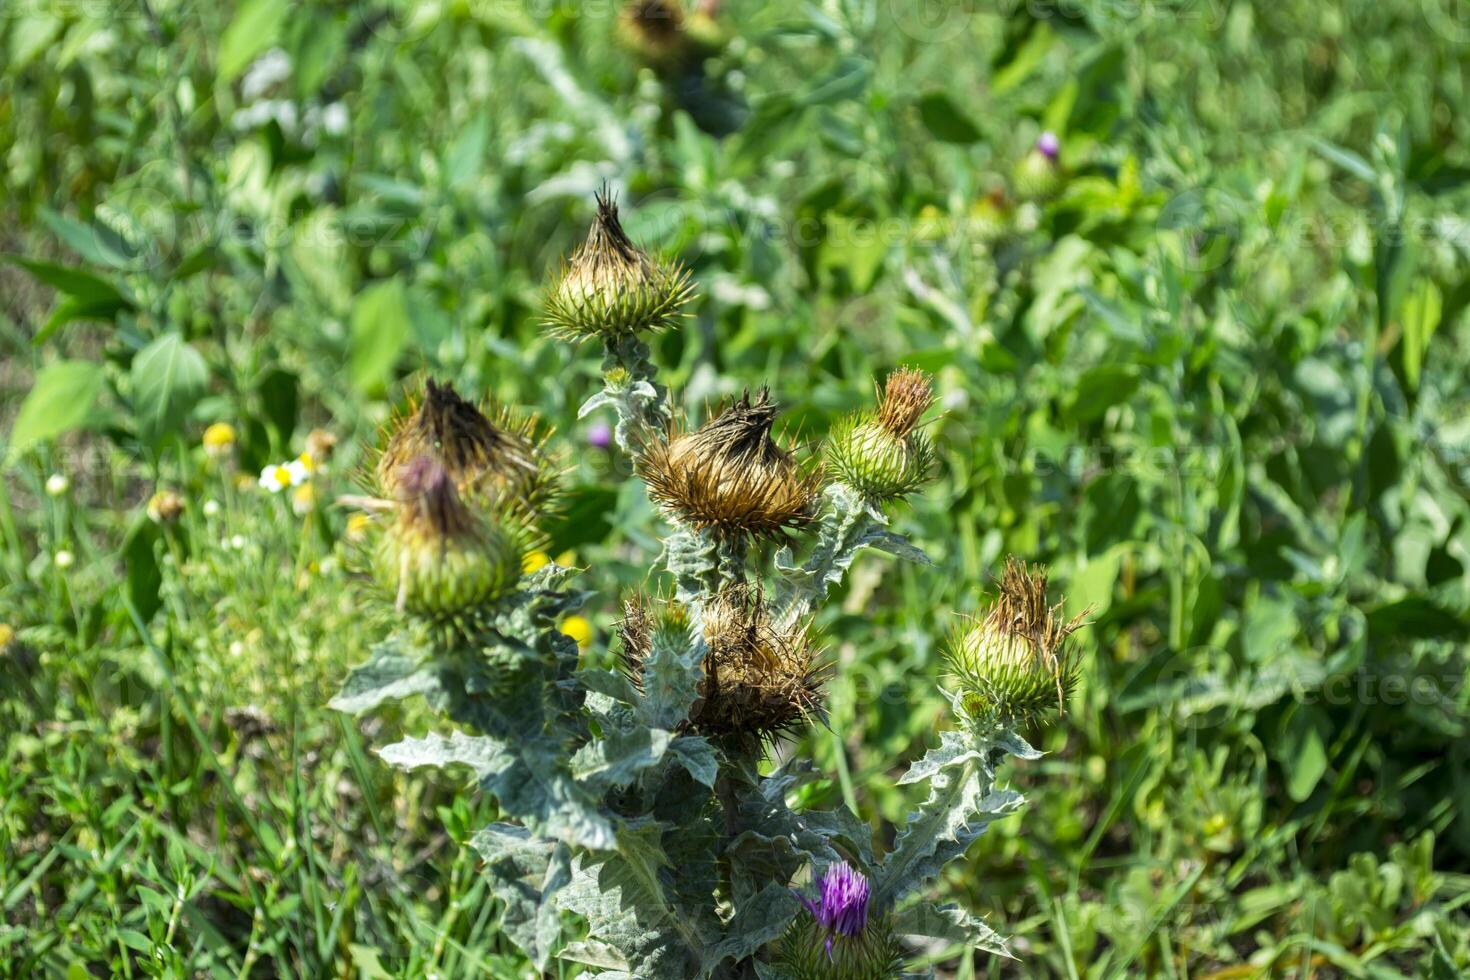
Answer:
(276, 478)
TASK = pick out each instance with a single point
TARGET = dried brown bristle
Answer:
(731, 476)
(907, 395)
(759, 680)
(481, 458)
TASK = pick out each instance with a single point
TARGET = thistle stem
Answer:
(641, 402)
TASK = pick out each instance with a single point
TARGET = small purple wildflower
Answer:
(1048, 145)
(599, 435)
(841, 907)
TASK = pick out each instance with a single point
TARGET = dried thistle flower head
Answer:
(882, 454)
(759, 680)
(440, 557)
(730, 476)
(1016, 663)
(485, 459)
(612, 288)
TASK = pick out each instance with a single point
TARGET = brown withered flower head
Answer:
(1016, 663)
(731, 477)
(759, 680)
(612, 288)
(503, 459)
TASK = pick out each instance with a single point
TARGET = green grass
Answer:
(1217, 383)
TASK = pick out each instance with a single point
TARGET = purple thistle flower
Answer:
(1048, 145)
(841, 907)
(599, 435)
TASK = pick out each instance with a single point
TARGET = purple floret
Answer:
(841, 907)
(599, 435)
(1048, 145)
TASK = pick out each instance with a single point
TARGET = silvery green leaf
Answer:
(896, 545)
(779, 842)
(624, 898)
(618, 758)
(955, 748)
(949, 923)
(960, 806)
(844, 524)
(758, 920)
(769, 971)
(390, 673)
(485, 756)
(1015, 745)
(525, 873)
(610, 683)
(600, 400)
(698, 758)
(598, 954)
(527, 777)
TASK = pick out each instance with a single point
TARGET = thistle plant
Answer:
(646, 829)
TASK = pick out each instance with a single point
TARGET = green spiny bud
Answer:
(1016, 663)
(439, 557)
(612, 288)
(1038, 174)
(882, 454)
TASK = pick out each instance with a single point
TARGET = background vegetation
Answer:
(1218, 382)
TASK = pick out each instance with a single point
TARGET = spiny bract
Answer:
(1015, 663)
(612, 288)
(882, 454)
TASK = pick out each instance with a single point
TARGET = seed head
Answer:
(1016, 663)
(731, 477)
(648, 624)
(500, 460)
(612, 288)
(882, 454)
(759, 681)
(438, 556)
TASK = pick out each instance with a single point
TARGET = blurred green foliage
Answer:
(1217, 380)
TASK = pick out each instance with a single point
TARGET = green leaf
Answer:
(169, 377)
(257, 26)
(144, 579)
(390, 674)
(961, 804)
(950, 923)
(759, 920)
(467, 154)
(380, 331)
(624, 897)
(620, 757)
(78, 283)
(526, 873)
(527, 777)
(945, 120)
(61, 400)
(1420, 315)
